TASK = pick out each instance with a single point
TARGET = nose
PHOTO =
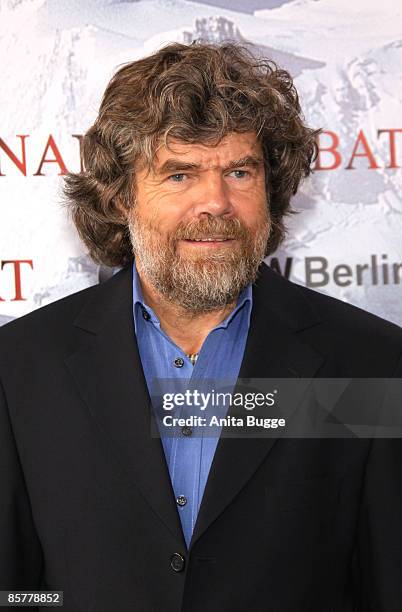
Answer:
(214, 197)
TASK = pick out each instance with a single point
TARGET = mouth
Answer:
(209, 241)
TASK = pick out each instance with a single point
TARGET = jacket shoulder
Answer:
(341, 314)
(355, 336)
(49, 317)
(330, 324)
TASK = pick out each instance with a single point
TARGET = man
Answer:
(188, 173)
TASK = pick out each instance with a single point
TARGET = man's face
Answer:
(200, 223)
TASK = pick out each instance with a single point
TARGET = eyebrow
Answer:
(173, 165)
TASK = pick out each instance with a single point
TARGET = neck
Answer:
(186, 329)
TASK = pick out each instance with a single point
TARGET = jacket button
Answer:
(179, 362)
(177, 562)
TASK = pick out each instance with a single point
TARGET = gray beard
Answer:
(206, 281)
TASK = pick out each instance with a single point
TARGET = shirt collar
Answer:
(245, 299)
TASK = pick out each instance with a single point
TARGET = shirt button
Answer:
(146, 315)
(177, 562)
(181, 500)
(186, 431)
(179, 362)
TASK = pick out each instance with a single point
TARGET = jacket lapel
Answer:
(274, 349)
(108, 373)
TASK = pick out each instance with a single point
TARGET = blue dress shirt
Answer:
(188, 457)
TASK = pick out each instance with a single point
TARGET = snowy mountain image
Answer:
(345, 58)
(220, 29)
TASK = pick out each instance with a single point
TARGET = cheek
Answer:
(157, 214)
(170, 214)
(253, 211)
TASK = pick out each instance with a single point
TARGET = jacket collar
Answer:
(272, 296)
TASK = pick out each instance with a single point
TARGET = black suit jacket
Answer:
(285, 525)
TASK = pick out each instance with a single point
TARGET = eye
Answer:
(239, 174)
(177, 178)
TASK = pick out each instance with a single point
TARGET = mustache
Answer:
(211, 227)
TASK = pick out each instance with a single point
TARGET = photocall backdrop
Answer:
(346, 58)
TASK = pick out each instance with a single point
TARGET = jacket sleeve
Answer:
(20, 550)
(379, 554)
